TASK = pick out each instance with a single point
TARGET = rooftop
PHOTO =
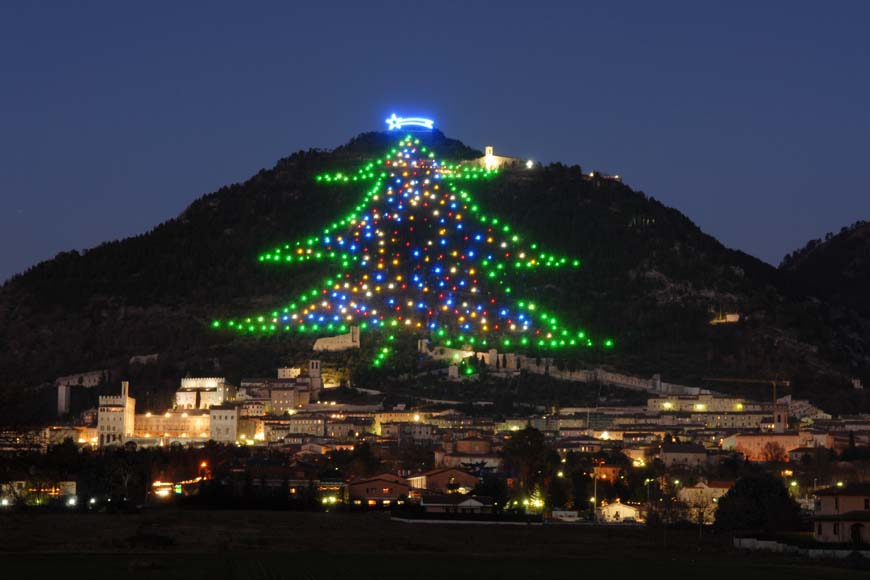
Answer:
(858, 489)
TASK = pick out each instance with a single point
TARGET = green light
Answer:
(371, 209)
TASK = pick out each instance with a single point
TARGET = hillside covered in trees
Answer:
(649, 277)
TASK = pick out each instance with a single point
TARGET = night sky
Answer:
(751, 118)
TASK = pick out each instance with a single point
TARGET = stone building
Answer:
(116, 417)
(204, 392)
(338, 343)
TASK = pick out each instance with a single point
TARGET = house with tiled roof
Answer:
(842, 514)
(444, 480)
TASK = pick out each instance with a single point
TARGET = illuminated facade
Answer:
(176, 425)
(700, 404)
(202, 393)
(283, 401)
(397, 417)
(842, 514)
(116, 417)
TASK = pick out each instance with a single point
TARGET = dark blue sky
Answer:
(751, 118)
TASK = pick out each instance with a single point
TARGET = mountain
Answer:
(836, 269)
(835, 272)
(649, 277)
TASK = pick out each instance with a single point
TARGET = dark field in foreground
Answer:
(171, 544)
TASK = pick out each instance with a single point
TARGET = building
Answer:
(321, 447)
(491, 161)
(289, 372)
(176, 426)
(726, 318)
(702, 499)
(382, 490)
(683, 455)
(618, 512)
(116, 417)
(748, 420)
(310, 424)
(397, 417)
(287, 400)
(57, 434)
(408, 432)
(202, 393)
(87, 380)
(444, 481)
(470, 452)
(456, 504)
(254, 407)
(566, 445)
(699, 404)
(314, 379)
(347, 428)
(842, 514)
(224, 423)
(608, 473)
(307, 424)
(764, 446)
(340, 342)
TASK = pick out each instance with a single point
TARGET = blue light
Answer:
(394, 122)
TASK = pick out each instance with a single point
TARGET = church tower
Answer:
(315, 381)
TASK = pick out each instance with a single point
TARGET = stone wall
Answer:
(514, 363)
(340, 342)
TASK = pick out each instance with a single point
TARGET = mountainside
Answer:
(649, 277)
(835, 272)
(836, 269)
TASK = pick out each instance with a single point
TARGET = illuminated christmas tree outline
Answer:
(400, 266)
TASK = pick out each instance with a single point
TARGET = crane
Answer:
(772, 382)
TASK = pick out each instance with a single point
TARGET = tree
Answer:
(494, 488)
(529, 458)
(773, 452)
(757, 502)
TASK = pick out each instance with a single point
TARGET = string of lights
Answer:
(418, 253)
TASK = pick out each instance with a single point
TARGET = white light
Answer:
(394, 122)
(71, 502)
(530, 164)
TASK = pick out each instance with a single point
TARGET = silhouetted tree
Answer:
(757, 502)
